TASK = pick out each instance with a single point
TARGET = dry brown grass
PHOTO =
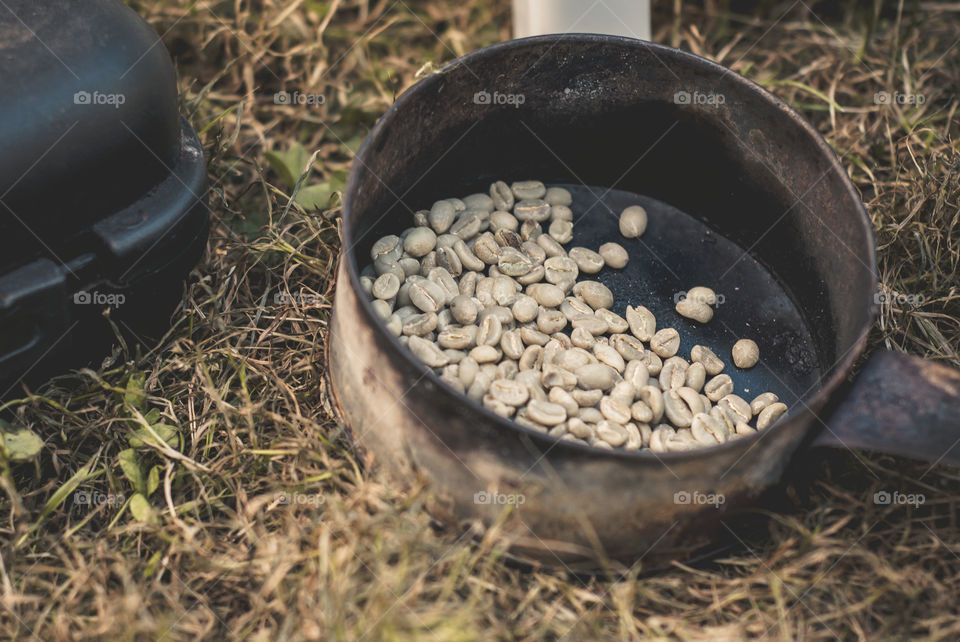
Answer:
(239, 375)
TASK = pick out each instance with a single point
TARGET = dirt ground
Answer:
(112, 533)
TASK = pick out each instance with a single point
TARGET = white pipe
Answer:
(615, 17)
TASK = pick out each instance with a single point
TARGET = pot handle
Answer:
(900, 405)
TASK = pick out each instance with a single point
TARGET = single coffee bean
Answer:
(696, 376)
(614, 410)
(420, 324)
(615, 322)
(614, 255)
(513, 262)
(395, 325)
(560, 268)
(500, 220)
(653, 362)
(441, 216)
(486, 248)
(409, 265)
(389, 248)
(464, 309)
(532, 358)
(743, 430)
(623, 392)
(745, 353)
(506, 238)
(563, 398)
(467, 225)
(770, 414)
(665, 342)
(607, 355)
(579, 428)
(511, 393)
(699, 312)
(532, 336)
(594, 325)
(490, 332)
(653, 398)
(428, 352)
(546, 294)
(503, 314)
(636, 373)
(458, 338)
(485, 354)
(763, 400)
(553, 376)
(561, 230)
(641, 412)
(594, 294)
(573, 358)
(502, 196)
(642, 323)
(504, 290)
(546, 413)
(420, 241)
(525, 308)
(532, 210)
(582, 338)
(587, 260)
(561, 213)
(428, 295)
(558, 196)
(612, 432)
(528, 190)
(550, 246)
(382, 308)
(530, 231)
(596, 376)
(702, 294)
(633, 222)
(386, 286)
(718, 387)
(448, 259)
(533, 276)
(550, 321)
(479, 201)
(736, 408)
(711, 363)
(673, 374)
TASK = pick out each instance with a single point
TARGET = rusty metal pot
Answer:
(743, 195)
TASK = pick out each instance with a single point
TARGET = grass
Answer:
(257, 520)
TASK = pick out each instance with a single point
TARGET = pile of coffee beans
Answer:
(478, 290)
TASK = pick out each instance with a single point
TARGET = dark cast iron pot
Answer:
(744, 196)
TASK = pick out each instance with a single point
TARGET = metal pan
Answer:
(744, 196)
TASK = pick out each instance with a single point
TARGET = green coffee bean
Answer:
(761, 401)
(745, 353)
(665, 342)
(633, 222)
(479, 201)
(588, 261)
(594, 294)
(558, 196)
(532, 210)
(769, 415)
(523, 190)
(711, 363)
(614, 255)
(642, 323)
(502, 196)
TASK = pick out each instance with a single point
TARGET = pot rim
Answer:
(812, 402)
